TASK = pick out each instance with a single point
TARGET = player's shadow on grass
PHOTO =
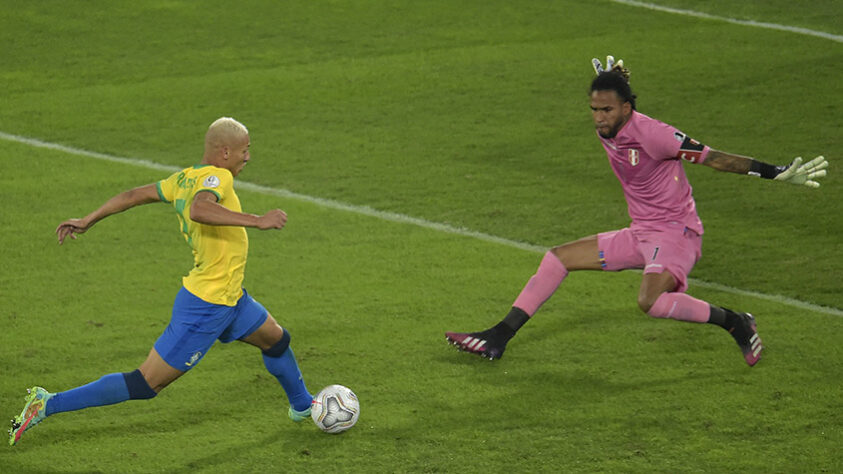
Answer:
(295, 443)
(145, 420)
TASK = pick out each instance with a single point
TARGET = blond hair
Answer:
(224, 132)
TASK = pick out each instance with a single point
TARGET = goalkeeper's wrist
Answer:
(765, 170)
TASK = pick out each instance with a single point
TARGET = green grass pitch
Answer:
(471, 114)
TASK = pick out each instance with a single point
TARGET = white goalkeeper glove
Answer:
(799, 174)
(611, 65)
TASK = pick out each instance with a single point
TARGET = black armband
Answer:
(765, 170)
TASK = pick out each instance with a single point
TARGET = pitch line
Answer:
(757, 24)
(394, 217)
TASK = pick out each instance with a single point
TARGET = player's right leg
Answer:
(280, 361)
(582, 254)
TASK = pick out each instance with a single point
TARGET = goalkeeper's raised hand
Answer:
(804, 174)
(611, 65)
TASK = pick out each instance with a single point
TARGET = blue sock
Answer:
(108, 390)
(286, 370)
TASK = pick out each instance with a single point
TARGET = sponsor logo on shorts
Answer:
(193, 359)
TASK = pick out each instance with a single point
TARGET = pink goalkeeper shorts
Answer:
(673, 248)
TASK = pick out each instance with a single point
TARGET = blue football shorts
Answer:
(196, 324)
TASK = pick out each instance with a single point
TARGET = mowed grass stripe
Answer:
(396, 217)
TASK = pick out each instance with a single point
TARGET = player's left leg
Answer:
(107, 390)
(33, 412)
(662, 292)
(656, 299)
(274, 342)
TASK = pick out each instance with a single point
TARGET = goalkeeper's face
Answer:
(609, 112)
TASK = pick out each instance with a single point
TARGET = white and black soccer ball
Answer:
(335, 409)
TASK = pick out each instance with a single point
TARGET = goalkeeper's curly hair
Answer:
(617, 79)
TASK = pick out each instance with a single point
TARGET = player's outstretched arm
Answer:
(795, 173)
(119, 203)
(206, 210)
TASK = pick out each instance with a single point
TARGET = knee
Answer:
(561, 253)
(280, 347)
(646, 302)
(138, 387)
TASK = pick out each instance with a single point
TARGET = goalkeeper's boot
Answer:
(488, 344)
(746, 335)
(298, 416)
(33, 412)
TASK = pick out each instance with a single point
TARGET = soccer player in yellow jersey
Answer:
(211, 305)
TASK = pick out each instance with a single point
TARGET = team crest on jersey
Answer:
(211, 182)
(633, 156)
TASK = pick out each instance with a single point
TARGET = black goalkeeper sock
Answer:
(512, 322)
(723, 317)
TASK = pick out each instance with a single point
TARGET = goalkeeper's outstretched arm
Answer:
(795, 173)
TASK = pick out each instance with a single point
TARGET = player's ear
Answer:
(627, 108)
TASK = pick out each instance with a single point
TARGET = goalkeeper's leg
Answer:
(670, 257)
(582, 254)
(683, 307)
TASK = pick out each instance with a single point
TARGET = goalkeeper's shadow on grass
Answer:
(587, 385)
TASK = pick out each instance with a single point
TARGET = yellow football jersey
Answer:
(219, 252)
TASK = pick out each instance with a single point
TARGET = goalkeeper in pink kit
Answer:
(665, 235)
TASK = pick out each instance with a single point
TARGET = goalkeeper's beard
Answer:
(610, 133)
(611, 130)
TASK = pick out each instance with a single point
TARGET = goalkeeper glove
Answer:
(611, 65)
(799, 174)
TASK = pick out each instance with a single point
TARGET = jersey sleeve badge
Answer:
(211, 182)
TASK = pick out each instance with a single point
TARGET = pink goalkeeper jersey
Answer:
(646, 157)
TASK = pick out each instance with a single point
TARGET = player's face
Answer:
(610, 112)
(238, 155)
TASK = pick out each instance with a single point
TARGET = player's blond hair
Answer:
(223, 132)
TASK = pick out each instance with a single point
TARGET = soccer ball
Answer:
(335, 409)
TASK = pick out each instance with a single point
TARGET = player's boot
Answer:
(489, 344)
(746, 335)
(298, 416)
(33, 412)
